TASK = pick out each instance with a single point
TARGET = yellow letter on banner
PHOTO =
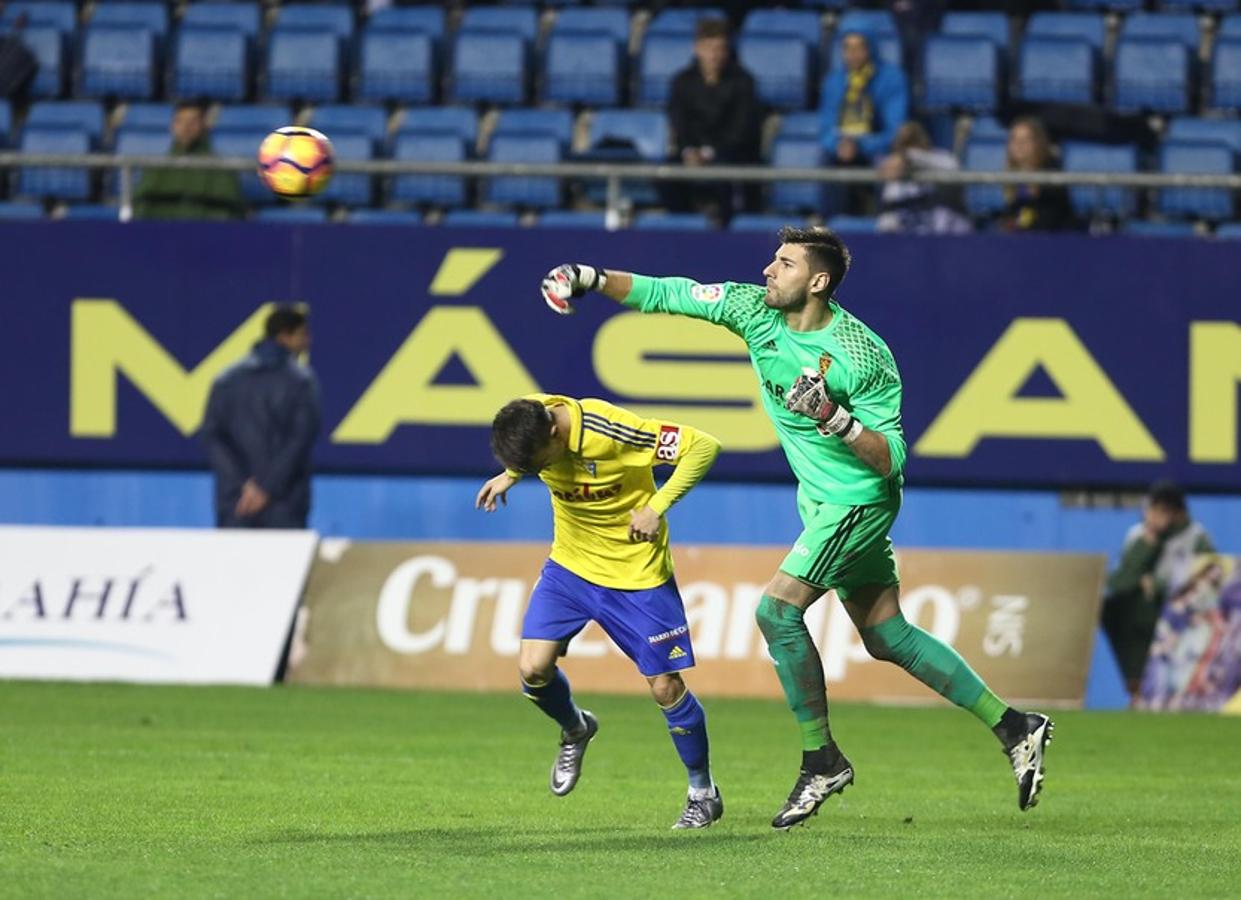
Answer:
(1214, 370)
(403, 391)
(106, 340)
(625, 341)
(1089, 405)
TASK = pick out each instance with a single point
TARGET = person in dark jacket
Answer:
(261, 422)
(714, 112)
(1031, 207)
(189, 193)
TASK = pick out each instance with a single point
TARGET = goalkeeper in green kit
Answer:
(833, 393)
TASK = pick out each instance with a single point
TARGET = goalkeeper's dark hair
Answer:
(1167, 494)
(519, 433)
(285, 320)
(825, 252)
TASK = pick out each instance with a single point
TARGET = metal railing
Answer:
(615, 174)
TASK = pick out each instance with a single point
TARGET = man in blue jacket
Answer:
(862, 104)
(261, 421)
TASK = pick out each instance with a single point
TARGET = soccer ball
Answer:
(295, 162)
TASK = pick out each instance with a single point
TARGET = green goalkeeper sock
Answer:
(935, 664)
(798, 666)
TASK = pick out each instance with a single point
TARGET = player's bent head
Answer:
(825, 252)
(521, 435)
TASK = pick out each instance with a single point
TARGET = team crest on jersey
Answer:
(590, 466)
(707, 293)
(825, 362)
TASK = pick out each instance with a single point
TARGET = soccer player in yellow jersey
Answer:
(609, 563)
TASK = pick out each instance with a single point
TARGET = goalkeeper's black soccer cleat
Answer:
(701, 812)
(810, 792)
(568, 766)
(1026, 756)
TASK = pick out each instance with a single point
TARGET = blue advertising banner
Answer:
(1040, 361)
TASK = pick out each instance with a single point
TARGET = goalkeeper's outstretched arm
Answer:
(567, 282)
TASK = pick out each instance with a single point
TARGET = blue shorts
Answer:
(648, 625)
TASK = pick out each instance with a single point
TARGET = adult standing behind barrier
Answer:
(1156, 558)
(261, 422)
(189, 193)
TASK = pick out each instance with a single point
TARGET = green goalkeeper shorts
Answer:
(844, 547)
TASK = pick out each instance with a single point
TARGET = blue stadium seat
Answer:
(254, 118)
(337, 19)
(137, 142)
(1192, 130)
(1152, 74)
(1083, 156)
(802, 24)
(990, 25)
(771, 224)
(118, 61)
(960, 72)
(47, 43)
(245, 17)
(91, 212)
(293, 214)
(152, 16)
(396, 66)
(875, 22)
(663, 221)
(573, 219)
(59, 14)
(437, 190)
(852, 224)
(985, 156)
(662, 57)
(538, 192)
(60, 183)
(1114, 5)
(583, 68)
(211, 61)
(797, 196)
(988, 128)
(346, 118)
(21, 210)
(461, 121)
(781, 67)
(1057, 70)
(681, 21)
(479, 218)
(490, 67)
(1147, 228)
(244, 144)
(1226, 74)
(1229, 230)
(147, 117)
(6, 122)
(84, 114)
(1214, 204)
(303, 64)
(1089, 27)
(350, 188)
(521, 20)
(1219, 6)
(427, 19)
(385, 217)
(647, 130)
(1181, 27)
(587, 20)
(1229, 27)
(557, 123)
(799, 125)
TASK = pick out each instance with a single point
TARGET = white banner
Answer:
(154, 605)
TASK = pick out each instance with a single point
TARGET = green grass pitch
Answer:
(124, 791)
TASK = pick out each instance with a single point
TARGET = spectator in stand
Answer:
(714, 113)
(1157, 556)
(18, 66)
(1033, 207)
(917, 207)
(862, 105)
(189, 193)
(261, 422)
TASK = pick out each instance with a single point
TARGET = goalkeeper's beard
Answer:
(776, 300)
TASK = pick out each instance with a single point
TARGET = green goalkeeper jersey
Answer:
(860, 371)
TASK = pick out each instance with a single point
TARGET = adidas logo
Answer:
(768, 345)
(676, 653)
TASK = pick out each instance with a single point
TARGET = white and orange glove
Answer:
(569, 281)
(808, 397)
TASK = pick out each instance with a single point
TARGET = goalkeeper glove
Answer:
(808, 397)
(568, 281)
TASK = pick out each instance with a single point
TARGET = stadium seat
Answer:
(1147, 228)
(1182, 27)
(1229, 230)
(211, 61)
(490, 67)
(6, 121)
(396, 66)
(1109, 5)
(153, 16)
(1089, 27)
(662, 57)
(1189, 129)
(781, 68)
(988, 128)
(852, 224)
(92, 212)
(647, 130)
(985, 156)
(1152, 74)
(461, 121)
(771, 224)
(60, 183)
(137, 142)
(255, 118)
(797, 196)
(369, 121)
(583, 68)
(1226, 74)
(479, 218)
(665, 221)
(84, 114)
(385, 217)
(1218, 6)
(521, 20)
(573, 219)
(47, 43)
(536, 192)
(875, 22)
(59, 14)
(990, 25)
(314, 17)
(587, 20)
(960, 72)
(293, 214)
(556, 123)
(1088, 202)
(350, 188)
(118, 61)
(303, 64)
(799, 125)
(20, 210)
(1057, 70)
(1229, 27)
(244, 17)
(1214, 204)
(437, 190)
(244, 144)
(427, 19)
(681, 21)
(146, 117)
(802, 24)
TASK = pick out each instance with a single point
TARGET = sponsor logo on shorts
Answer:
(669, 443)
(665, 635)
(707, 293)
(677, 653)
